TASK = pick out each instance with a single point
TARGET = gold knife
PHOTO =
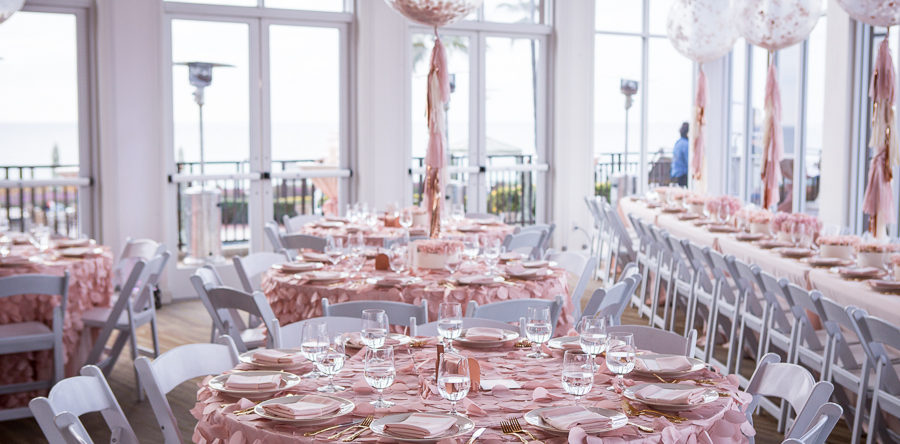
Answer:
(476, 435)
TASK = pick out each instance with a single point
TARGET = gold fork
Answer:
(364, 426)
(365, 423)
(507, 428)
(515, 423)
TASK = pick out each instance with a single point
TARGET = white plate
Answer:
(534, 418)
(509, 336)
(347, 406)
(324, 277)
(289, 380)
(557, 343)
(696, 364)
(394, 281)
(71, 243)
(538, 264)
(79, 251)
(397, 340)
(247, 358)
(708, 397)
(480, 280)
(530, 273)
(463, 426)
(298, 267)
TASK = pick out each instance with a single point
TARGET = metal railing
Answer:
(607, 166)
(50, 199)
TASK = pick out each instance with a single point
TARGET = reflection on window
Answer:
(309, 5)
(659, 13)
(616, 58)
(669, 100)
(618, 15)
(458, 48)
(758, 79)
(815, 114)
(738, 115)
(510, 95)
(513, 11)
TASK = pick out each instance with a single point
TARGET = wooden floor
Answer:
(188, 322)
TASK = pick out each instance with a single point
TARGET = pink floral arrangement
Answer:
(732, 203)
(895, 260)
(785, 222)
(839, 240)
(759, 216)
(696, 199)
(438, 246)
(875, 247)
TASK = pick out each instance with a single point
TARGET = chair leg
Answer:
(873, 419)
(155, 337)
(711, 328)
(59, 371)
(731, 351)
(134, 355)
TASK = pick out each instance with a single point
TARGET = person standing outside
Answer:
(679, 172)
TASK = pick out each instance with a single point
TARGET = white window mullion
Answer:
(480, 154)
(799, 179)
(645, 75)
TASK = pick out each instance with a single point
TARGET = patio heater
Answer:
(625, 184)
(202, 202)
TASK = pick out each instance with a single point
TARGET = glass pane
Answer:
(618, 15)
(789, 82)
(758, 86)
(305, 73)
(659, 13)
(613, 122)
(39, 125)
(815, 114)
(310, 5)
(512, 11)
(219, 2)
(226, 110)
(738, 115)
(670, 103)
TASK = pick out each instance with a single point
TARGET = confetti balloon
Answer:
(434, 13)
(873, 12)
(777, 24)
(8, 7)
(701, 30)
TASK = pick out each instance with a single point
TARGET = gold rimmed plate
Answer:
(463, 426)
(533, 418)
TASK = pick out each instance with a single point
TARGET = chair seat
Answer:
(25, 336)
(20, 329)
(97, 317)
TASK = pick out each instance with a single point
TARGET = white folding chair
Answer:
(880, 339)
(225, 305)
(752, 330)
(622, 245)
(288, 336)
(791, 384)
(611, 302)
(703, 289)
(398, 313)
(548, 233)
(658, 340)
(647, 258)
(58, 412)
(821, 427)
(514, 310)
(779, 325)
(528, 242)
(727, 309)
(293, 224)
(293, 244)
(133, 250)
(581, 266)
(133, 309)
(431, 328)
(274, 237)
(26, 336)
(176, 366)
(251, 267)
(808, 343)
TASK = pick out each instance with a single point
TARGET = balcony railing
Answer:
(610, 165)
(56, 205)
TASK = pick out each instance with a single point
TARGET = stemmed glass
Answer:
(470, 248)
(380, 373)
(334, 248)
(374, 327)
(406, 218)
(492, 253)
(592, 336)
(620, 355)
(453, 263)
(457, 213)
(330, 361)
(538, 330)
(398, 258)
(576, 379)
(724, 213)
(449, 323)
(313, 340)
(453, 379)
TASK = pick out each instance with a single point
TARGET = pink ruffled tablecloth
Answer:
(722, 421)
(293, 299)
(376, 236)
(90, 285)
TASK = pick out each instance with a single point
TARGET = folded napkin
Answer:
(276, 357)
(655, 393)
(572, 345)
(317, 257)
(244, 382)
(310, 406)
(394, 280)
(300, 266)
(485, 334)
(420, 426)
(522, 272)
(354, 339)
(535, 264)
(664, 364)
(477, 280)
(567, 418)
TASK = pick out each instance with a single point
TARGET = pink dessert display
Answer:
(434, 253)
(840, 247)
(873, 254)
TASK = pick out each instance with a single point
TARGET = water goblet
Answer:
(406, 218)
(470, 248)
(330, 361)
(538, 330)
(374, 327)
(592, 336)
(453, 263)
(620, 355)
(449, 323)
(492, 249)
(334, 248)
(453, 379)
(398, 258)
(457, 213)
(380, 373)
(313, 340)
(577, 378)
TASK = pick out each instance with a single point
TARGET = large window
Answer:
(45, 123)
(634, 133)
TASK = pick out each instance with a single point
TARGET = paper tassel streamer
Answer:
(699, 122)
(438, 95)
(773, 140)
(878, 201)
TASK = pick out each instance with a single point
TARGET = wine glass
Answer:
(453, 263)
(380, 373)
(453, 379)
(355, 242)
(470, 248)
(5, 245)
(620, 355)
(374, 327)
(492, 253)
(398, 258)
(724, 213)
(371, 220)
(449, 323)
(406, 218)
(457, 213)
(592, 336)
(330, 361)
(313, 340)
(538, 330)
(577, 379)
(334, 248)
(356, 260)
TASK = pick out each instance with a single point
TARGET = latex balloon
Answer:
(701, 30)
(776, 24)
(873, 12)
(434, 12)
(8, 7)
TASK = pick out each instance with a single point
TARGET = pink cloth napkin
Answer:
(420, 426)
(317, 257)
(664, 364)
(244, 382)
(566, 418)
(276, 357)
(300, 266)
(477, 280)
(485, 334)
(309, 406)
(655, 393)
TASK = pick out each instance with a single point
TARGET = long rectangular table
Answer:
(846, 292)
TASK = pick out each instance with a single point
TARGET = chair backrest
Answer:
(251, 267)
(159, 376)
(133, 250)
(746, 282)
(618, 227)
(580, 266)
(514, 310)
(399, 313)
(41, 284)
(76, 396)
(801, 303)
(139, 273)
(611, 302)
(527, 242)
(148, 281)
(840, 327)
(658, 340)
(303, 242)
(431, 328)
(293, 224)
(821, 427)
(547, 228)
(792, 383)
(880, 340)
(274, 237)
(223, 303)
(288, 336)
(701, 266)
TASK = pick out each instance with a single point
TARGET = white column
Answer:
(571, 175)
(715, 151)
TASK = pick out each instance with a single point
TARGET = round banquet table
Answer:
(90, 285)
(375, 236)
(293, 298)
(721, 421)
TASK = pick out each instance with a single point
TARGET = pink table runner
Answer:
(293, 299)
(375, 237)
(722, 421)
(90, 285)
